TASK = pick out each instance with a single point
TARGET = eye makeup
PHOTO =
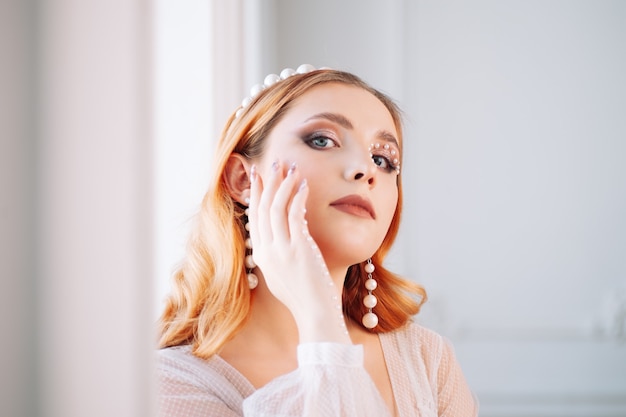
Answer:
(388, 152)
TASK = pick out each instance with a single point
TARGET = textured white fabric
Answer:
(330, 382)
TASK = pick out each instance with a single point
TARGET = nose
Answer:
(361, 168)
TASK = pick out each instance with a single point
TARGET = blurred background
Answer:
(514, 174)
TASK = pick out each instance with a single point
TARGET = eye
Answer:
(384, 163)
(320, 142)
(381, 161)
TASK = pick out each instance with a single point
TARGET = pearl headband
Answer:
(272, 79)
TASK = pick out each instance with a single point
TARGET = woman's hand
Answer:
(288, 257)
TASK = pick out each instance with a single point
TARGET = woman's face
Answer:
(344, 142)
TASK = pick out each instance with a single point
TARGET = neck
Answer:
(269, 321)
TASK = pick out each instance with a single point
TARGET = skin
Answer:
(303, 242)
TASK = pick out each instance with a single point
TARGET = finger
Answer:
(297, 212)
(281, 204)
(270, 186)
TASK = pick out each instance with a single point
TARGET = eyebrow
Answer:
(342, 121)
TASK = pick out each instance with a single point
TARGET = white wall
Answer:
(520, 194)
(516, 187)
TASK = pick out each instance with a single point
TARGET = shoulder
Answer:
(417, 343)
(430, 356)
(413, 334)
(187, 381)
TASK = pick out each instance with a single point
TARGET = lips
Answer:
(355, 205)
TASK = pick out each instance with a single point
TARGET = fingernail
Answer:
(275, 166)
(292, 169)
(303, 184)
(253, 173)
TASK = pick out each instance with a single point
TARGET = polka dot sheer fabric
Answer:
(330, 381)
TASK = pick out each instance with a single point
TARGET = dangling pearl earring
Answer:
(253, 280)
(370, 320)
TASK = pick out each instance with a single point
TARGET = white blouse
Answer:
(330, 381)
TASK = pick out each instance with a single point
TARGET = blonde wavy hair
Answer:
(210, 298)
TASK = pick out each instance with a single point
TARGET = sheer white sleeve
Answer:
(330, 381)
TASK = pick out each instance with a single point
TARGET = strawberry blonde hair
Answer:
(210, 298)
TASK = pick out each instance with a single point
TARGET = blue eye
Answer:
(320, 142)
(381, 161)
(384, 163)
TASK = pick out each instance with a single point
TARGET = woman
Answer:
(282, 306)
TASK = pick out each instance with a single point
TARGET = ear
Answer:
(236, 176)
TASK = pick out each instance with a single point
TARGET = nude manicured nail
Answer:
(275, 166)
(302, 185)
(292, 169)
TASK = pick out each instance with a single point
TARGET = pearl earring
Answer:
(370, 320)
(253, 280)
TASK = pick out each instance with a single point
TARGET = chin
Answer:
(348, 250)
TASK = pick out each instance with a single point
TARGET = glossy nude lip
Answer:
(355, 205)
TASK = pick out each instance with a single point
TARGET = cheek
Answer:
(390, 199)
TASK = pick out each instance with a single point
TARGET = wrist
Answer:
(323, 326)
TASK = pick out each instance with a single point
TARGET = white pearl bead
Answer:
(253, 281)
(304, 68)
(370, 301)
(246, 102)
(256, 89)
(247, 226)
(370, 320)
(286, 73)
(238, 112)
(250, 264)
(371, 284)
(249, 243)
(369, 268)
(271, 79)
